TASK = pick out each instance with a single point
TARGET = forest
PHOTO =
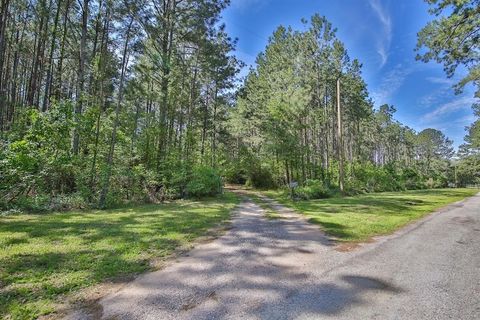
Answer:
(105, 103)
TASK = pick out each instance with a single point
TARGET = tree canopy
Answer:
(453, 39)
(107, 102)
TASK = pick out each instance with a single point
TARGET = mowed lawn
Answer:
(43, 256)
(360, 217)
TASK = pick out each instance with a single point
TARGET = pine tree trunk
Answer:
(113, 140)
(81, 78)
(48, 84)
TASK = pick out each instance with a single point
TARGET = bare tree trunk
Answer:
(91, 88)
(204, 127)
(101, 100)
(58, 86)
(340, 140)
(214, 127)
(106, 184)
(3, 27)
(13, 89)
(48, 84)
(81, 78)
(166, 41)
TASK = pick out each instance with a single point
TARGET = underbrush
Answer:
(136, 186)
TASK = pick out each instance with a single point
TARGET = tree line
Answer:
(453, 39)
(304, 114)
(111, 100)
(105, 102)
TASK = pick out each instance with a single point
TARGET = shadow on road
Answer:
(259, 269)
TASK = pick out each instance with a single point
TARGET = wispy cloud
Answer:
(440, 80)
(391, 82)
(249, 4)
(453, 128)
(466, 120)
(449, 107)
(384, 42)
(437, 95)
(443, 91)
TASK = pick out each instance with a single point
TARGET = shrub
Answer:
(312, 189)
(46, 202)
(67, 202)
(235, 174)
(371, 178)
(204, 181)
(260, 177)
(412, 179)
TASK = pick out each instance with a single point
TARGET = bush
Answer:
(67, 202)
(45, 202)
(412, 179)
(371, 178)
(260, 177)
(235, 174)
(313, 189)
(204, 181)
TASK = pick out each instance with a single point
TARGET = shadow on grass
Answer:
(360, 217)
(50, 254)
(335, 229)
(260, 269)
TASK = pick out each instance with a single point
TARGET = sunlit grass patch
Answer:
(43, 256)
(360, 217)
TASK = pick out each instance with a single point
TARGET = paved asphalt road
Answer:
(287, 269)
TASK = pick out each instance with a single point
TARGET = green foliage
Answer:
(412, 179)
(286, 119)
(260, 177)
(467, 171)
(312, 189)
(204, 182)
(370, 178)
(235, 174)
(38, 161)
(453, 38)
(118, 121)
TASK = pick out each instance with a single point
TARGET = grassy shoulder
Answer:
(45, 256)
(360, 217)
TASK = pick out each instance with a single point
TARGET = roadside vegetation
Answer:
(45, 256)
(107, 103)
(361, 217)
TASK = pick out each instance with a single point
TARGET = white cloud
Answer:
(383, 43)
(449, 107)
(391, 82)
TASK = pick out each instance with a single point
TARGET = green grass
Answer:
(45, 256)
(360, 217)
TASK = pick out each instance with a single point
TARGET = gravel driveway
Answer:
(288, 269)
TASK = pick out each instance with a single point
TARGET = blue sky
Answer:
(382, 35)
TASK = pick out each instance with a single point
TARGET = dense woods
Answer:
(105, 102)
(110, 101)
